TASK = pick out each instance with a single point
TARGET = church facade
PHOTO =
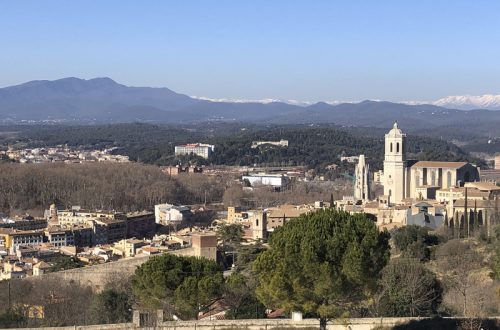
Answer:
(404, 178)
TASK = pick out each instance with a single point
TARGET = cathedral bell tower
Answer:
(395, 165)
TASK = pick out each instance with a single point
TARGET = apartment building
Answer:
(199, 149)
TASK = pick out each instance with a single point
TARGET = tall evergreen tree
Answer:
(322, 263)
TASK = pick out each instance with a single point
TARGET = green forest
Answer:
(313, 146)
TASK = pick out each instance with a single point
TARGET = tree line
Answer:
(312, 146)
(105, 186)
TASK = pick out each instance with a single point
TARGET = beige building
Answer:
(205, 245)
(40, 268)
(235, 214)
(128, 247)
(419, 179)
(76, 215)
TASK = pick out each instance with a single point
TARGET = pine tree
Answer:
(320, 263)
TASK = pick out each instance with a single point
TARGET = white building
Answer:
(199, 149)
(362, 182)
(394, 180)
(167, 213)
(280, 143)
(275, 180)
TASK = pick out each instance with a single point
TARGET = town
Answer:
(455, 199)
(258, 165)
(63, 154)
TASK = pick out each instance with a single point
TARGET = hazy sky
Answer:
(304, 50)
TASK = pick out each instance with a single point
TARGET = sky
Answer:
(289, 50)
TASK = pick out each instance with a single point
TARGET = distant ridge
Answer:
(102, 100)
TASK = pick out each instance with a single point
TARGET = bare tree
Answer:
(458, 261)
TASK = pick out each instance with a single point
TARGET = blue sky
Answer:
(303, 50)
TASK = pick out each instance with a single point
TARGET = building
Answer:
(412, 179)
(176, 170)
(424, 214)
(235, 214)
(280, 143)
(59, 236)
(278, 216)
(258, 226)
(440, 175)
(77, 215)
(349, 159)
(82, 235)
(128, 247)
(107, 231)
(40, 268)
(26, 223)
(12, 239)
(497, 162)
(205, 245)
(141, 224)
(199, 149)
(167, 214)
(395, 165)
(362, 182)
(277, 181)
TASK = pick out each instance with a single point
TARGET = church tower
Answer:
(362, 183)
(395, 165)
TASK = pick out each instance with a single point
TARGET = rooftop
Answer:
(440, 164)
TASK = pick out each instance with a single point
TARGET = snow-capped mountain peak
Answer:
(468, 102)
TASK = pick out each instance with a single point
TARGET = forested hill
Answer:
(314, 146)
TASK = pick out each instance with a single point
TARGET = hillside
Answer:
(102, 100)
(313, 146)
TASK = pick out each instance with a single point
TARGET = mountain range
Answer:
(102, 100)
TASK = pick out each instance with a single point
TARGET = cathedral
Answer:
(403, 178)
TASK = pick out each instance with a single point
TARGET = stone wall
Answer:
(97, 276)
(348, 324)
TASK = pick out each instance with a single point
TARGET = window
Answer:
(391, 148)
(257, 222)
(397, 147)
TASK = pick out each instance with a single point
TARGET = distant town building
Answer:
(199, 149)
(77, 215)
(259, 226)
(58, 236)
(26, 223)
(280, 143)
(497, 162)
(349, 159)
(377, 177)
(205, 245)
(11, 239)
(40, 268)
(107, 231)
(275, 180)
(141, 224)
(128, 247)
(278, 216)
(362, 182)
(167, 214)
(410, 179)
(176, 170)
